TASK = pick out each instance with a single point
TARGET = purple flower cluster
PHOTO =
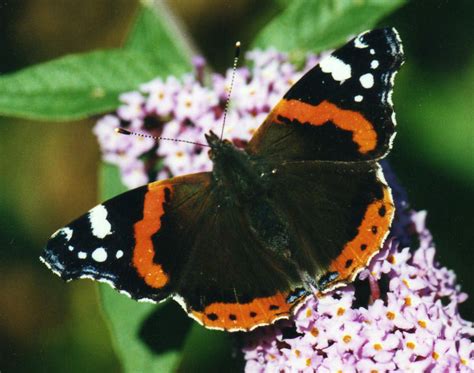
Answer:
(399, 315)
(187, 109)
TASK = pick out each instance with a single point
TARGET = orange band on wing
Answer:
(363, 132)
(244, 316)
(371, 234)
(144, 252)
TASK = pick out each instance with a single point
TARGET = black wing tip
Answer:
(50, 260)
(388, 35)
(394, 42)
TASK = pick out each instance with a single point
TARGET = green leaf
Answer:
(110, 183)
(127, 321)
(157, 32)
(209, 351)
(77, 86)
(320, 25)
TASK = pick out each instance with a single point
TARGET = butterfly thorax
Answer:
(235, 171)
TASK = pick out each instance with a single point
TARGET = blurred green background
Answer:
(48, 177)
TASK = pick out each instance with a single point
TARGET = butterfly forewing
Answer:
(341, 109)
(127, 241)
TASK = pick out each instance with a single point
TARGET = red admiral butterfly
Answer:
(303, 208)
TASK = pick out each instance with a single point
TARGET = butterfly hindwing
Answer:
(341, 109)
(338, 216)
(232, 279)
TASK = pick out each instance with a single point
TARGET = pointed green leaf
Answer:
(308, 25)
(156, 32)
(139, 347)
(77, 86)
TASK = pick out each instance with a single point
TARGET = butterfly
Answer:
(300, 210)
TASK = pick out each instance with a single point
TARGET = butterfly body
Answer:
(237, 175)
(301, 209)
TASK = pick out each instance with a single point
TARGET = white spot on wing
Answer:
(99, 255)
(71, 248)
(358, 43)
(124, 292)
(372, 51)
(99, 223)
(367, 80)
(339, 70)
(358, 98)
(374, 64)
(146, 300)
(103, 280)
(180, 300)
(119, 254)
(399, 40)
(82, 255)
(66, 231)
(394, 121)
(389, 97)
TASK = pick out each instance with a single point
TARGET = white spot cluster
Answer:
(99, 255)
(367, 80)
(101, 227)
(339, 70)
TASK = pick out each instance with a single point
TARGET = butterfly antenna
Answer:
(123, 131)
(234, 68)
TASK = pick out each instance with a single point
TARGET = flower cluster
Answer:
(187, 109)
(400, 314)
